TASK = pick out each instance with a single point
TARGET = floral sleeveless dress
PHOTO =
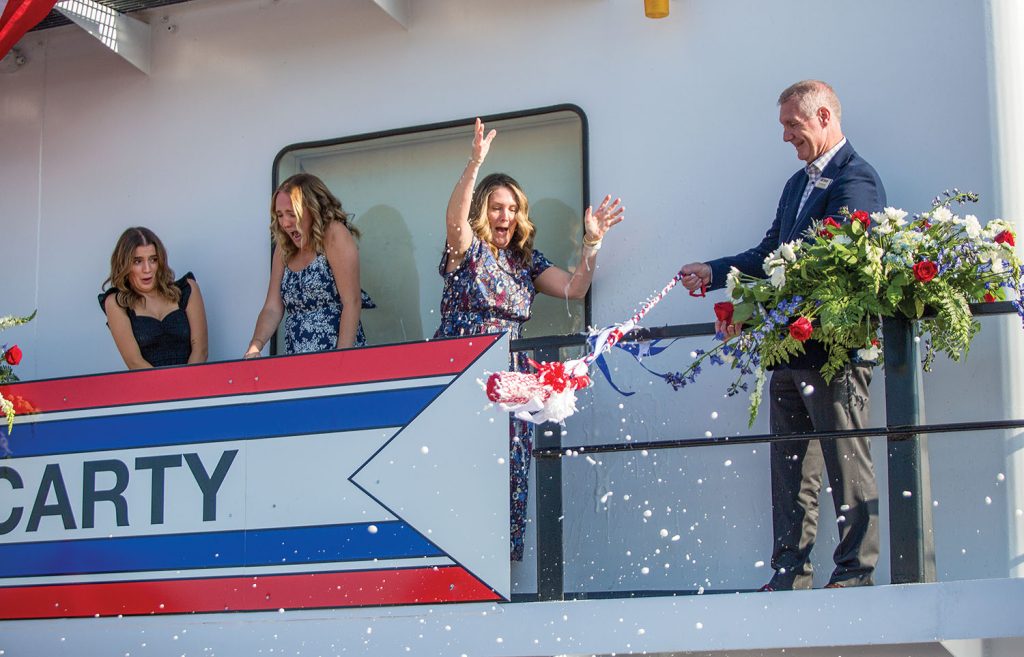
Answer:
(489, 294)
(313, 309)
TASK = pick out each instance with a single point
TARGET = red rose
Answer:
(862, 217)
(13, 355)
(1005, 237)
(989, 298)
(723, 311)
(801, 329)
(925, 271)
(826, 225)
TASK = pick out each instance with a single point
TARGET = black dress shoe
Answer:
(767, 588)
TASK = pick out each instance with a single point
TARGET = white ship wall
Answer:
(682, 124)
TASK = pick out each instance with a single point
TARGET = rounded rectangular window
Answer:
(395, 185)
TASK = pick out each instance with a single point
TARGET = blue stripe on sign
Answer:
(369, 410)
(257, 547)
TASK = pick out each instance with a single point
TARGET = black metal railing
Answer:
(911, 545)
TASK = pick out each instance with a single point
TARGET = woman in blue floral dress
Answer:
(492, 273)
(314, 276)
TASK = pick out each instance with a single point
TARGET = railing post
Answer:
(548, 497)
(911, 540)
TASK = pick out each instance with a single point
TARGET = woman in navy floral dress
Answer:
(492, 273)
(314, 276)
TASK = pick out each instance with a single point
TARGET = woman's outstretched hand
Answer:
(597, 222)
(481, 144)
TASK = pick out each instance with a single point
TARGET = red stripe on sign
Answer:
(303, 591)
(329, 368)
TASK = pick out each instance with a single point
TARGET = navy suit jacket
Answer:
(855, 185)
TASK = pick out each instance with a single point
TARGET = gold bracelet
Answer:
(587, 242)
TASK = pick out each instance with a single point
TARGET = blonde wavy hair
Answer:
(308, 194)
(121, 268)
(521, 243)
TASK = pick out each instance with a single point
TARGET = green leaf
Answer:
(742, 312)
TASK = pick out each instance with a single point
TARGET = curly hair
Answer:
(308, 194)
(521, 242)
(121, 268)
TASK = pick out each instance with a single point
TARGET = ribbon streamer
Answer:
(549, 393)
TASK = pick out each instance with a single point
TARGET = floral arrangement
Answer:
(836, 283)
(10, 356)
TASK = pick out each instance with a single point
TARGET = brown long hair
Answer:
(121, 267)
(521, 242)
(308, 194)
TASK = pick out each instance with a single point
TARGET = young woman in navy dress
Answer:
(492, 274)
(314, 275)
(155, 320)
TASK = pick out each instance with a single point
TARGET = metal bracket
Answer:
(397, 9)
(128, 37)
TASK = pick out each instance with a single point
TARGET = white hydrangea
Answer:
(868, 354)
(995, 227)
(842, 239)
(907, 241)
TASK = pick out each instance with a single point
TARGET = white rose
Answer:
(787, 252)
(772, 261)
(941, 215)
(778, 276)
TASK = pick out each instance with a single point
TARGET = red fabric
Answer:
(19, 17)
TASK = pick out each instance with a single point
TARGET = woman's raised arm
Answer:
(459, 233)
(557, 282)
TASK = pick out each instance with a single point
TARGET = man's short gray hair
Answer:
(812, 94)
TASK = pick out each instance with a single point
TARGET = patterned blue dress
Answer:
(488, 294)
(313, 309)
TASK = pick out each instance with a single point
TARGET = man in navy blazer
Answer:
(834, 177)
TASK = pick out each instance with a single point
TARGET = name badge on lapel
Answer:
(823, 183)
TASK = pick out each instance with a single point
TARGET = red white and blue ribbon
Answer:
(549, 393)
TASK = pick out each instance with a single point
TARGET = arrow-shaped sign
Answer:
(360, 477)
